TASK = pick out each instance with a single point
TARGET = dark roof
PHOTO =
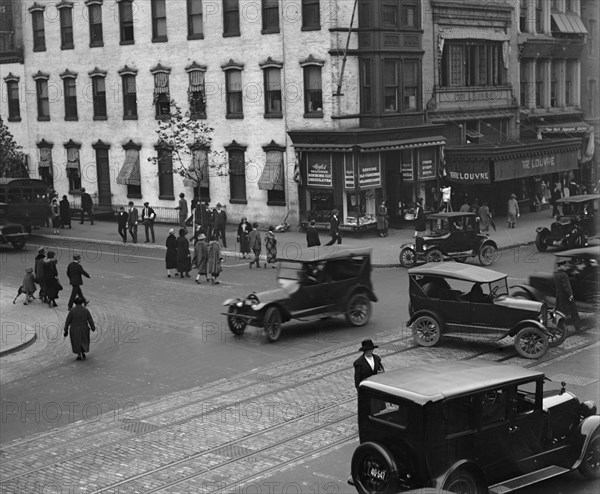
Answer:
(313, 254)
(579, 198)
(592, 251)
(454, 214)
(459, 271)
(438, 381)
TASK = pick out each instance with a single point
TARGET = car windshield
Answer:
(499, 288)
(289, 275)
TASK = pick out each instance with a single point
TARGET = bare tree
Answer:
(13, 162)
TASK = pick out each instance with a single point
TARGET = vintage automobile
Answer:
(470, 427)
(463, 300)
(450, 235)
(310, 288)
(583, 268)
(578, 222)
(11, 233)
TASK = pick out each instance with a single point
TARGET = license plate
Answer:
(377, 474)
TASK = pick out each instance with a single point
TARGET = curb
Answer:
(20, 347)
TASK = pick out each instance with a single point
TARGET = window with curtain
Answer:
(237, 175)
(66, 28)
(272, 77)
(411, 85)
(313, 90)
(39, 35)
(390, 86)
(197, 94)
(14, 108)
(231, 18)
(126, 22)
(473, 63)
(73, 169)
(270, 16)
(162, 100)
(45, 165)
(159, 21)
(233, 79)
(95, 23)
(194, 18)
(99, 97)
(43, 102)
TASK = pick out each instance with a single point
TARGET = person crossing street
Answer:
(75, 272)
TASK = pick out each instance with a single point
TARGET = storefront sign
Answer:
(564, 129)
(535, 165)
(349, 173)
(319, 171)
(469, 173)
(407, 172)
(369, 174)
(427, 170)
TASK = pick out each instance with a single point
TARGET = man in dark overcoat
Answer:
(86, 206)
(122, 223)
(312, 235)
(334, 228)
(564, 294)
(368, 364)
(75, 272)
(220, 222)
(132, 221)
(65, 212)
(420, 224)
(80, 323)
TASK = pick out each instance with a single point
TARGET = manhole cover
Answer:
(137, 426)
(575, 380)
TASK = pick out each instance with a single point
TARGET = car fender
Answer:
(426, 312)
(534, 292)
(527, 322)
(410, 245)
(459, 465)
(485, 242)
(361, 289)
(542, 229)
(231, 301)
(586, 429)
(263, 306)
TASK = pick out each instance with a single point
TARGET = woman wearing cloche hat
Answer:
(368, 364)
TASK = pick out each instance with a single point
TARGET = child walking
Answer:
(271, 244)
(28, 285)
(255, 244)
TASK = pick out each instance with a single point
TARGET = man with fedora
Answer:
(220, 220)
(86, 206)
(148, 217)
(565, 302)
(75, 272)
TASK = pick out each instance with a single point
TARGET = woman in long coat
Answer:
(39, 272)
(79, 322)
(55, 215)
(171, 255)
(214, 260)
(243, 231)
(271, 244)
(51, 277)
(65, 212)
(201, 256)
(184, 261)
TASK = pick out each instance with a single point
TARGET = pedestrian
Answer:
(55, 216)
(184, 261)
(312, 235)
(271, 245)
(39, 272)
(122, 223)
(213, 264)
(132, 221)
(475, 206)
(201, 257)
(420, 225)
(565, 301)
(75, 272)
(28, 286)
(556, 195)
(255, 244)
(334, 228)
(148, 217)
(86, 206)
(210, 217)
(220, 220)
(513, 211)
(485, 218)
(465, 208)
(243, 231)
(79, 323)
(65, 212)
(171, 255)
(382, 220)
(183, 211)
(53, 285)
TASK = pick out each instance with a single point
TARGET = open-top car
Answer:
(470, 427)
(311, 287)
(572, 229)
(450, 235)
(463, 300)
(583, 269)
(11, 233)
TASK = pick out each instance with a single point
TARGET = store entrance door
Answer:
(393, 188)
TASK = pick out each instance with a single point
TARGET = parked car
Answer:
(312, 287)
(572, 229)
(11, 233)
(470, 426)
(583, 268)
(464, 300)
(450, 235)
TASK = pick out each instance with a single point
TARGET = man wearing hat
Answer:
(132, 221)
(183, 211)
(75, 272)
(148, 218)
(368, 364)
(564, 293)
(220, 222)
(86, 206)
(79, 323)
(334, 228)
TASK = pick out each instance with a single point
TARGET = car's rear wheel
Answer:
(426, 331)
(590, 466)
(434, 255)
(557, 333)
(358, 310)
(408, 257)
(487, 254)
(237, 325)
(464, 482)
(374, 470)
(531, 342)
(540, 240)
(272, 323)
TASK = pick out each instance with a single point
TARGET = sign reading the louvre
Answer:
(469, 173)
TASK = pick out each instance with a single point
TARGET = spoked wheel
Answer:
(374, 470)
(590, 466)
(237, 325)
(358, 311)
(272, 323)
(557, 333)
(426, 331)
(434, 255)
(408, 257)
(487, 255)
(531, 342)
(464, 482)
(540, 241)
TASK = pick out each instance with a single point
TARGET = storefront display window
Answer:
(361, 206)
(320, 205)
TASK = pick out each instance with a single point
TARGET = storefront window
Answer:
(320, 205)
(361, 206)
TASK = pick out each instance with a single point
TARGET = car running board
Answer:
(527, 479)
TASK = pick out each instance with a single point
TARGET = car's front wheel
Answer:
(434, 255)
(487, 254)
(374, 470)
(358, 311)
(464, 482)
(531, 342)
(557, 333)
(590, 466)
(408, 257)
(540, 240)
(237, 325)
(426, 331)
(272, 323)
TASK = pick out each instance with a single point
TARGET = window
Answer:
(523, 16)
(197, 93)
(237, 173)
(198, 173)
(366, 96)
(95, 21)
(43, 102)
(165, 172)
(233, 80)
(459, 415)
(410, 15)
(39, 36)
(129, 174)
(311, 15)
(540, 97)
(364, 14)
(14, 109)
(390, 14)
(493, 406)
(272, 176)
(390, 86)
(473, 63)
(270, 16)
(313, 91)
(73, 166)
(99, 97)
(195, 26)
(539, 16)
(129, 97)
(272, 77)
(45, 163)
(555, 69)
(70, 95)
(159, 21)
(126, 22)
(592, 97)
(66, 27)
(410, 86)
(592, 36)
(569, 68)
(162, 99)
(231, 18)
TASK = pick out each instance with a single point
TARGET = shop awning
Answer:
(331, 148)
(568, 22)
(272, 174)
(565, 128)
(130, 172)
(473, 33)
(373, 147)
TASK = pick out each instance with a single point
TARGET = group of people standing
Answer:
(206, 258)
(250, 241)
(128, 221)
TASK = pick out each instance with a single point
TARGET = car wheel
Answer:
(374, 470)
(464, 482)
(408, 257)
(426, 331)
(237, 325)
(531, 342)
(434, 255)
(590, 466)
(272, 323)
(557, 333)
(540, 241)
(487, 255)
(358, 311)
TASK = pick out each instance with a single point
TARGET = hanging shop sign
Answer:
(349, 173)
(319, 170)
(407, 172)
(469, 173)
(427, 170)
(369, 171)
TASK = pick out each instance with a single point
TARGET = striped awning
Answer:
(130, 171)
(161, 84)
(372, 147)
(73, 159)
(272, 174)
(198, 169)
(45, 158)
(568, 22)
